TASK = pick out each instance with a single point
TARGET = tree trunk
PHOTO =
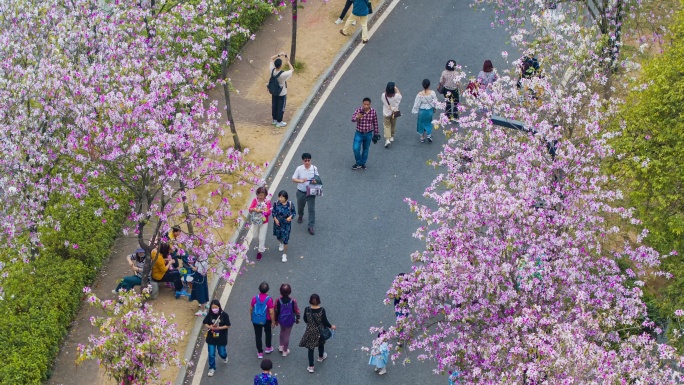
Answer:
(226, 96)
(293, 47)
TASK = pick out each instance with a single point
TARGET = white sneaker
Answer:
(387, 143)
(281, 124)
(354, 22)
(211, 373)
(285, 353)
(284, 257)
(225, 360)
(201, 313)
(392, 139)
(281, 247)
(339, 21)
(115, 292)
(310, 369)
(274, 122)
(321, 359)
(382, 371)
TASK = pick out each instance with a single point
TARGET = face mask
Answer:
(215, 311)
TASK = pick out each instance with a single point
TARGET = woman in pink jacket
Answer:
(259, 211)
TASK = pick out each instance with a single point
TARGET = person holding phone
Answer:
(366, 120)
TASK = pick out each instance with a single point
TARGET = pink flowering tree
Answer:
(529, 274)
(133, 342)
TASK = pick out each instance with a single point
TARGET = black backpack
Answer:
(274, 88)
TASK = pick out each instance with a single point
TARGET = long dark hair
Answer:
(217, 303)
(389, 90)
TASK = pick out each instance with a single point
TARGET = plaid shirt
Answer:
(368, 123)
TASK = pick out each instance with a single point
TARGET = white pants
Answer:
(259, 231)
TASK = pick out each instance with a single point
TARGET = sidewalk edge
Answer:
(194, 335)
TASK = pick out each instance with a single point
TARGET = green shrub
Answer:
(42, 298)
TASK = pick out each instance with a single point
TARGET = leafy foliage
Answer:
(650, 162)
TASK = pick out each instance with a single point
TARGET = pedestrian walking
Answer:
(283, 212)
(263, 319)
(286, 315)
(315, 319)
(424, 106)
(347, 5)
(259, 211)
(448, 87)
(390, 111)
(379, 356)
(305, 175)
(266, 377)
(360, 11)
(217, 323)
(366, 120)
(200, 286)
(487, 76)
(277, 87)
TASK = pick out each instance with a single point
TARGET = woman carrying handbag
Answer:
(316, 330)
(390, 111)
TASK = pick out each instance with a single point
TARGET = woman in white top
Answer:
(390, 104)
(487, 76)
(424, 106)
(449, 82)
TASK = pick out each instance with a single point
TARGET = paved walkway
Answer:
(363, 227)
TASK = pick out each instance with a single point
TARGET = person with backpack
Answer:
(316, 320)
(263, 318)
(286, 315)
(217, 323)
(266, 377)
(277, 87)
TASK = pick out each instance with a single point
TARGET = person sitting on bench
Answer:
(161, 267)
(137, 263)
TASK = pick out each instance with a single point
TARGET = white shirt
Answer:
(302, 173)
(281, 79)
(393, 104)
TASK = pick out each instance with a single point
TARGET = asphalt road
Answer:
(363, 226)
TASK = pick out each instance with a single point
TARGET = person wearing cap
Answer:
(137, 263)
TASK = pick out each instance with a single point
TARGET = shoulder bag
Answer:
(317, 188)
(395, 114)
(324, 332)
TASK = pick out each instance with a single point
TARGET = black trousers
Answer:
(278, 107)
(321, 350)
(451, 103)
(347, 5)
(175, 277)
(257, 334)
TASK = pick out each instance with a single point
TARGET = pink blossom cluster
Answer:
(528, 275)
(111, 96)
(133, 342)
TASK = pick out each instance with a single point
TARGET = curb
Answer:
(194, 335)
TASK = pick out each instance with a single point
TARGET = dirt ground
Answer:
(318, 41)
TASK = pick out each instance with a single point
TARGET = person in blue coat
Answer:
(379, 356)
(360, 11)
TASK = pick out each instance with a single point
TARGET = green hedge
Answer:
(42, 298)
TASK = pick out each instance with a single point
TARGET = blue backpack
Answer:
(286, 317)
(259, 312)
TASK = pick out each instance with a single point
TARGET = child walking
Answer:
(283, 213)
(379, 356)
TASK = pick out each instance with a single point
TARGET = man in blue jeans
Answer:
(366, 127)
